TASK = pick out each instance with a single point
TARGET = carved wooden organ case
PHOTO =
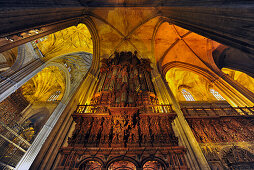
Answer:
(124, 122)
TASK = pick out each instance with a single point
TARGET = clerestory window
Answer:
(54, 96)
(187, 95)
(216, 94)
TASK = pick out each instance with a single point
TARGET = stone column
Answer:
(12, 82)
(195, 157)
(34, 149)
(44, 154)
(27, 64)
(234, 93)
(50, 160)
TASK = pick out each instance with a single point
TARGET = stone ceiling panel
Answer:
(164, 38)
(69, 40)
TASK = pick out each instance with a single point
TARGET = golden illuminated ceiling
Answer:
(132, 29)
(242, 78)
(143, 30)
(125, 29)
(69, 40)
(173, 43)
(44, 84)
(198, 86)
(77, 64)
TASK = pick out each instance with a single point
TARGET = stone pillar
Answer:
(51, 158)
(235, 93)
(47, 158)
(12, 82)
(195, 157)
(34, 149)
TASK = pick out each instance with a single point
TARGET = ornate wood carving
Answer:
(124, 118)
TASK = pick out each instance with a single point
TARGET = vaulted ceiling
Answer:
(133, 29)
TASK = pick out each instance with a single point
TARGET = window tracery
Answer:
(54, 96)
(216, 94)
(187, 95)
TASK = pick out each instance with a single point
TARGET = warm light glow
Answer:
(242, 78)
(199, 87)
(173, 43)
(44, 84)
(69, 40)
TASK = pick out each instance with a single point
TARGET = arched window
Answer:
(216, 94)
(54, 96)
(187, 95)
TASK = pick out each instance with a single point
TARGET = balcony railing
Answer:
(156, 109)
(95, 109)
(90, 109)
(217, 111)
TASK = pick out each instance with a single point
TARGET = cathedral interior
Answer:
(126, 84)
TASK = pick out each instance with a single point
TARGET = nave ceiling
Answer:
(133, 29)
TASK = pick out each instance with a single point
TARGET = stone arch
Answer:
(96, 43)
(123, 158)
(228, 91)
(7, 59)
(80, 54)
(86, 160)
(56, 61)
(210, 76)
(25, 55)
(67, 78)
(241, 78)
(23, 74)
(189, 84)
(34, 150)
(159, 160)
(227, 57)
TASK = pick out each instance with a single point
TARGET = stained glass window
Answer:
(54, 96)
(216, 94)
(187, 95)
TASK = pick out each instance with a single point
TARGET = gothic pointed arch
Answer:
(224, 86)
